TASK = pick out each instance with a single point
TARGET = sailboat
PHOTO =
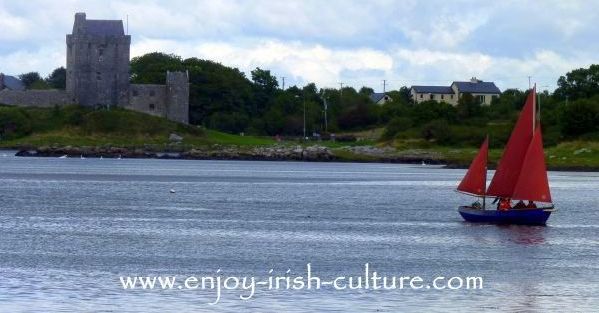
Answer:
(521, 175)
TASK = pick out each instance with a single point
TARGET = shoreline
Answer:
(293, 154)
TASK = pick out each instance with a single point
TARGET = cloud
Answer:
(355, 42)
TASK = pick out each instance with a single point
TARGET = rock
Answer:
(583, 150)
(175, 138)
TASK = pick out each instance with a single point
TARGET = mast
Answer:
(534, 108)
(510, 166)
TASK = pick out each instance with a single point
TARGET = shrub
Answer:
(396, 125)
(437, 130)
(14, 123)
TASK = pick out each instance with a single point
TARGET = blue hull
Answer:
(519, 217)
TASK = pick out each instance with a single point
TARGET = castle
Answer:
(97, 75)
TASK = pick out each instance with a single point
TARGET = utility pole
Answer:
(340, 94)
(304, 98)
(324, 100)
(283, 78)
(384, 85)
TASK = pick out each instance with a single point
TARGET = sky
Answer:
(357, 43)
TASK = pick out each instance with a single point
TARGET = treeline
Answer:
(56, 80)
(223, 98)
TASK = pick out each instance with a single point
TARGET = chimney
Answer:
(475, 80)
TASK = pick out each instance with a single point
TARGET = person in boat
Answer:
(520, 205)
(531, 205)
(477, 205)
(504, 204)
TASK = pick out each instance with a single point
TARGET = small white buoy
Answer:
(173, 191)
(63, 157)
(119, 157)
(423, 164)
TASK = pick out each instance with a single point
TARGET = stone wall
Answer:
(177, 97)
(147, 98)
(35, 98)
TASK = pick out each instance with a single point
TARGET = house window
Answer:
(432, 97)
(481, 99)
(450, 96)
(421, 96)
(152, 107)
(442, 97)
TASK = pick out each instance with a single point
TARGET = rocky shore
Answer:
(215, 152)
(314, 153)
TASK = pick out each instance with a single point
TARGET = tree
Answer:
(264, 80)
(437, 130)
(579, 83)
(265, 86)
(30, 78)
(427, 111)
(58, 78)
(216, 88)
(151, 68)
(367, 91)
(580, 117)
(468, 107)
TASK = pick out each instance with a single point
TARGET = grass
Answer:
(79, 126)
(571, 154)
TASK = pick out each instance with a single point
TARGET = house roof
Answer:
(377, 96)
(477, 87)
(104, 27)
(13, 83)
(433, 89)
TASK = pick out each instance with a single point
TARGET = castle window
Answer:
(100, 52)
(152, 93)
(135, 93)
(152, 107)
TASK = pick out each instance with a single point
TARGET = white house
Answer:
(484, 91)
(380, 98)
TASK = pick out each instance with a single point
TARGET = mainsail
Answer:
(509, 168)
(533, 183)
(475, 180)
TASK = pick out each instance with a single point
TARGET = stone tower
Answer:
(98, 62)
(177, 96)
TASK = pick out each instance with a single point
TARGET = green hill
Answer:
(80, 126)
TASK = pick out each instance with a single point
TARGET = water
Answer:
(70, 227)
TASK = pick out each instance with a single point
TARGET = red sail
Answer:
(510, 165)
(475, 181)
(532, 183)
